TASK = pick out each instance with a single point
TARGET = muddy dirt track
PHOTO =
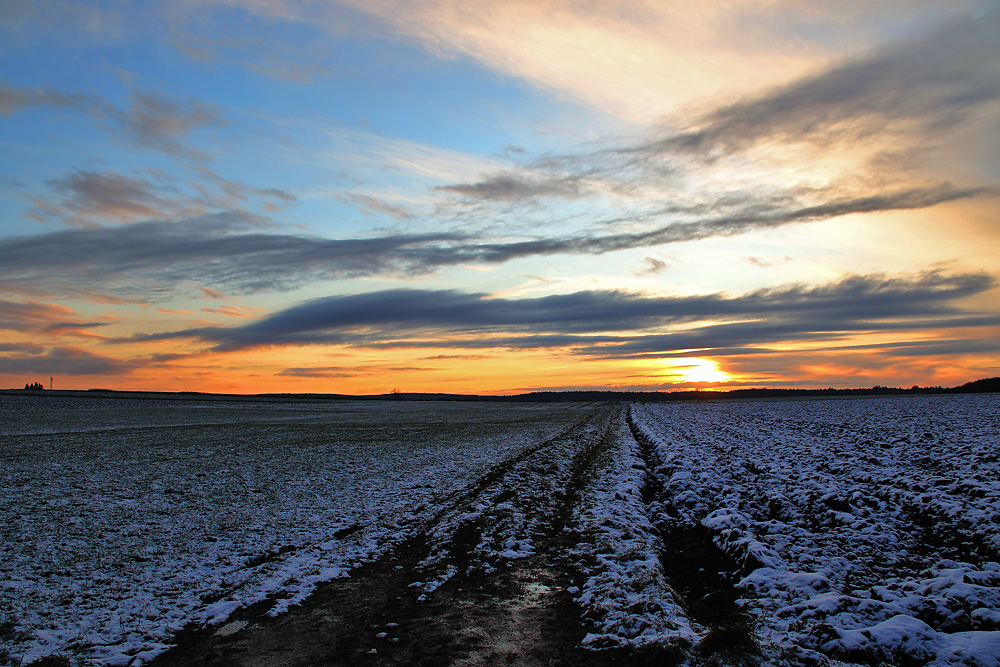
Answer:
(482, 609)
(460, 590)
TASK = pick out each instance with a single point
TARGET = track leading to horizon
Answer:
(484, 581)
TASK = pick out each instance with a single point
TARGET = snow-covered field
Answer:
(844, 531)
(122, 520)
(864, 530)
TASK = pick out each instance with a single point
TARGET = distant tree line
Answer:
(33, 386)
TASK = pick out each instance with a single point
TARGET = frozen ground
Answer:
(123, 520)
(867, 531)
(822, 532)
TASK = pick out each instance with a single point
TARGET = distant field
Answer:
(839, 531)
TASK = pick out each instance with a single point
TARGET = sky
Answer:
(250, 196)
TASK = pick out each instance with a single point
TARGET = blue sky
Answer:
(178, 177)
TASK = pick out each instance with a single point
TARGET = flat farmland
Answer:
(235, 532)
(123, 520)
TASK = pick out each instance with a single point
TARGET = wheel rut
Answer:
(701, 574)
(485, 581)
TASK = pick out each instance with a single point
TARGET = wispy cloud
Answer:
(268, 57)
(89, 198)
(151, 119)
(31, 315)
(47, 320)
(86, 198)
(235, 311)
(163, 123)
(17, 99)
(228, 252)
(670, 187)
(637, 60)
(884, 130)
(360, 370)
(233, 252)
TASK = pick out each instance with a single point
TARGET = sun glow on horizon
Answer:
(695, 369)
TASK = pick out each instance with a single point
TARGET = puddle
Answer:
(535, 591)
(231, 628)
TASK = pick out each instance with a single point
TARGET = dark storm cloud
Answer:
(610, 323)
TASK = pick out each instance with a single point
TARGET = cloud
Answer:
(85, 198)
(723, 174)
(516, 186)
(270, 57)
(74, 328)
(31, 315)
(156, 121)
(47, 319)
(377, 205)
(936, 82)
(347, 371)
(151, 120)
(61, 361)
(636, 60)
(235, 311)
(230, 252)
(614, 323)
(234, 194)
(653, 266)
(16, 99)
(22, 348)
(888, 130)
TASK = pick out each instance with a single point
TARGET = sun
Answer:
(699, 370)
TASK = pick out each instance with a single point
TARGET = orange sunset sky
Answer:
(498, 197)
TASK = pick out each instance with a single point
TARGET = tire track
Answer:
(483, 581)
(701, 575)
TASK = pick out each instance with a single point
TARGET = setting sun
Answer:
(699, 370)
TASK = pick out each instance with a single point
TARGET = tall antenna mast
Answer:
(50, 384)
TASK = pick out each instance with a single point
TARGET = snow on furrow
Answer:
(625, 598)
(869, 526)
